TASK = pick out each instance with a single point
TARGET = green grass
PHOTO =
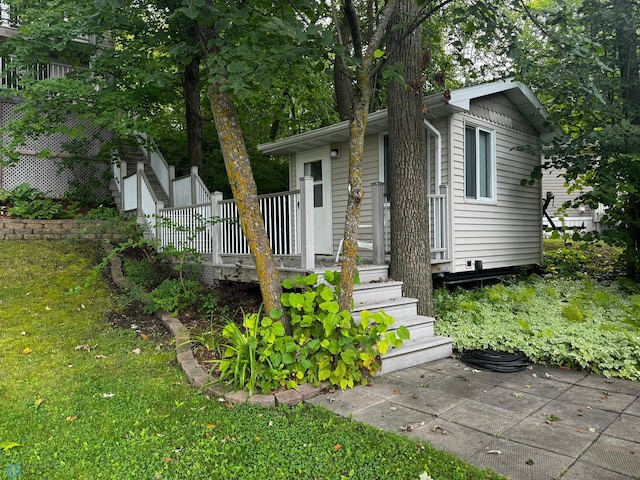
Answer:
(576, 322)
(109, 412)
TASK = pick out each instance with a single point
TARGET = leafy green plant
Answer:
(39, 208)
(325, 344)
(581, 323)
(173, 295)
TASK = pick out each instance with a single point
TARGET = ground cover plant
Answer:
(565, 317)
(81, 398)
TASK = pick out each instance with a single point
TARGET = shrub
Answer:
(595, 260)
(325, 344)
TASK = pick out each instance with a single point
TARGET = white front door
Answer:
(317, 164)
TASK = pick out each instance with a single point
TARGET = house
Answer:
(583, 217)
(51, 174)
(481, 217)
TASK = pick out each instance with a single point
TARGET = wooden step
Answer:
(416, 352)
(397, 307)
(373, 273)
(419, 326)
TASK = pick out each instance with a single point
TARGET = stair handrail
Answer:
(158, 163)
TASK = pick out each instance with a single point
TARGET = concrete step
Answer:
(366, 293)
(415, 352)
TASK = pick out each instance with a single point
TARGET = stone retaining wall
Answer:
(22, 229)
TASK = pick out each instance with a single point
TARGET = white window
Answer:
(479, 164)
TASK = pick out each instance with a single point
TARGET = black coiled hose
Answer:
(495, 361)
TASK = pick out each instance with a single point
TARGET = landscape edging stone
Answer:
(196, 375)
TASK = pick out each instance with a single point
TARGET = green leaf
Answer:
(324, 373)
(378, 53)
(9, 445)
(403, 333)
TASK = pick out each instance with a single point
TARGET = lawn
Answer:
(83, 399)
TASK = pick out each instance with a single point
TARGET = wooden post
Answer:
(377, 217)
(194, 195)
(307, 234)
(216, 228)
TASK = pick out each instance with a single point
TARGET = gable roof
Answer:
(519, 94)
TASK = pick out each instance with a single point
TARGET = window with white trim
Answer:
(479, 164)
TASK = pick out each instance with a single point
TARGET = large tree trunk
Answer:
(191, 93)
(410, 258)
(243, 186)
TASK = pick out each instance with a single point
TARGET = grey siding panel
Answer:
(552, 181)
(509, 232)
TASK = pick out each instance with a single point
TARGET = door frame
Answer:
(323, 219)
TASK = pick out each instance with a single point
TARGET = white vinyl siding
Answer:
(508, 231)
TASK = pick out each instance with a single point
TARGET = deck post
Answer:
(307, 234)
(172, 177)
(216, 230)
(158, 222)
(377, 217)
(123, 174)
(194, 195)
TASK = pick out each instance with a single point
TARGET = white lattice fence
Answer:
(50, 174)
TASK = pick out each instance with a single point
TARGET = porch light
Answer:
(335, 152)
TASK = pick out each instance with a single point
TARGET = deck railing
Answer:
(281, 218)
(438, 225)
(208, 224)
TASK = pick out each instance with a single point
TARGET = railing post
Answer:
(194, 194)
(377, 217)
(123, 174)
(307, 234)
(158, 223)
(172, 177)
(139, 171)
(444, 190)
(216, 227)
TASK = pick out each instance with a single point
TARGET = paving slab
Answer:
(465, 386)
(391, 417)
(484, 417)
(615, 454)
(626, 427)
(583, 471)
(456, 439)
(579, 416)
(556, 373)
(415, 376)
(634, 408)
(597, 398)
(542, 386)
(347, 402)
(618, 385)
(522, 462)
(513, 400)
(551, 436)
(428, 400)
(388, 388)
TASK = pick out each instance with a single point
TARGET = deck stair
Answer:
(382, 293)
(131, 153)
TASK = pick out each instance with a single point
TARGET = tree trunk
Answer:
(341, 79)
(191, 93)
(357, 129)
(243, 186)
(410, 258)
